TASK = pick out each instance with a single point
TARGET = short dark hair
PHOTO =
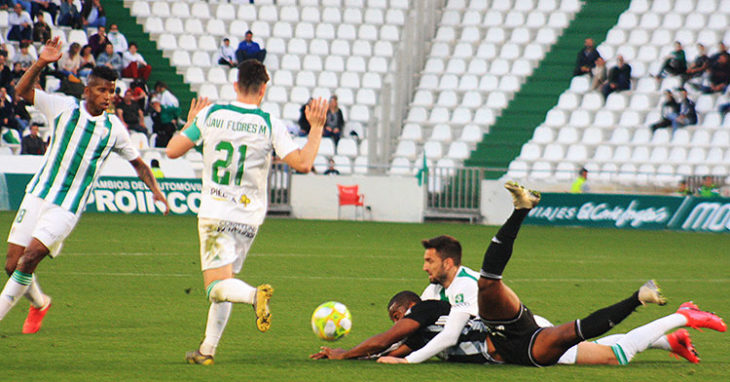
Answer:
(103, 72)
(160, 84)
(251, 76)
(226, 39)
(155, 163)
(132, 44)
(248, 32)
(402, 299)
(446, 247)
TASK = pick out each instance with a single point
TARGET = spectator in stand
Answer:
(87, 62)
(619, 78)
(331, 170)
(17, 72)
(698, 66)
(167, 109)
(686, 115)
(675, 64)
(156, 171)
(721, 51)
(670, 110)
(683, 189)
(586, 58)
(131, 114)
(304, 126)
(32, 144)
(69, 15)
(70, 61)
(248, 49)
(719, 74)
(599, 74)
(41, 29)
(110, 59)
(6, 5)
(21, 25)
(579, 185)
(98, 41)
(40, 6)
(24, 58)
(7, 112)
(335, 121)
(708, 189)
(117, 39)
(92, 14)
(5, 73)
(134, 64)
(226, 54)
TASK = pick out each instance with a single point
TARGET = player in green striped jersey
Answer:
(238, 140)
(83, 137)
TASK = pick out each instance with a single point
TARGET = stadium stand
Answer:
(613, 140)
(315, 49)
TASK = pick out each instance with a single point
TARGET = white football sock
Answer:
(35, 294)
(642, 337)
(662, 343)
(16, 287)
(610, 340)
(217, 319)
(231, 290)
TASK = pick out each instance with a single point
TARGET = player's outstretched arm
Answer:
(181, 143)
(447, 338)
(51, 53)
(145, 174)
(302, 160)
(375, 344)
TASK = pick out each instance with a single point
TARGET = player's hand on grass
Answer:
(51, 51)
(392, 360)
(196, 105)
(328, 353)
(316, 112)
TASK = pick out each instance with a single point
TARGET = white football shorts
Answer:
(223, 242)
(43, 220)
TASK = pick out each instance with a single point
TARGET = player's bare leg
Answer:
(22, 276)
(40, 303)
(496, 300)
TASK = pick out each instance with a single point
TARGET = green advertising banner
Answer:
(633, 212)
(123, 195)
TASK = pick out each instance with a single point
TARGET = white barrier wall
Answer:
(395, 199)
(496, 202)
(114, 166)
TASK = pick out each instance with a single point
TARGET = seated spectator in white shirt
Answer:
(21, 26)
(134, 64)
(227, 54)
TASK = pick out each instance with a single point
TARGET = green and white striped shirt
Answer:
(80, 144)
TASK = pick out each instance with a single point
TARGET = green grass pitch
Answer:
(129, 301)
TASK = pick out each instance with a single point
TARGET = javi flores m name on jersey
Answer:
(232, 125)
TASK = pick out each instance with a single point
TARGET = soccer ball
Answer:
(331, 321)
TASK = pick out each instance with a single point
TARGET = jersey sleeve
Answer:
(283, 144)
(465, 297)
(194, 132)
(430, 293)
(123, 144)
(51, 105)
(425, 312)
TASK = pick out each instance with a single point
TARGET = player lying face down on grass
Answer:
(417, 321)
(513, 331)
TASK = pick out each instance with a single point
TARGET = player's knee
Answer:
(488, 285)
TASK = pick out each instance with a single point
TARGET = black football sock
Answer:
(500, 249)
(603, 320)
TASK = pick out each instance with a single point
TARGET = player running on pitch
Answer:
(83, 136)
(238, 140)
